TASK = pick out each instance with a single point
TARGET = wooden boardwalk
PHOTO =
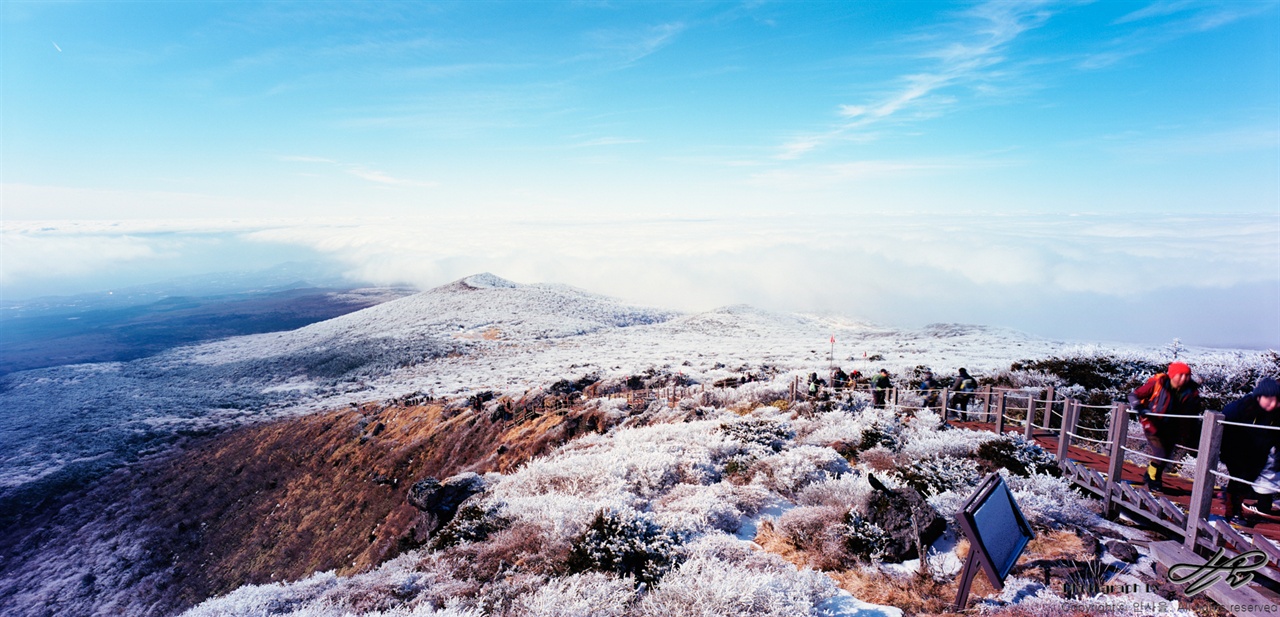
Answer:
(1177, 488)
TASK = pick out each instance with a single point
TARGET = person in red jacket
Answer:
(1172, 393)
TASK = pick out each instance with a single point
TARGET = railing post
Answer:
(1000, 413)
(1070, 410)
(1202, 488)
(986, 405)
(1048, 408)
(1119, 435)
(1031, 416)
(946, 393)
(895, 396)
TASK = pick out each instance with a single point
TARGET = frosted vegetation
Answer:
(61, 428)
(657, 517)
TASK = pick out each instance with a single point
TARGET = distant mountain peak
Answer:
(485, 280)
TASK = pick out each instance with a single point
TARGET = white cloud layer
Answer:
(975, 268)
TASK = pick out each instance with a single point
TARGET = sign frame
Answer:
(976, 512)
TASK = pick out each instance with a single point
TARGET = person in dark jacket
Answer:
(880, 387)
(839, 379)
(1172, 393)
(929, 391)
(815, 386)
(1244, 450)
(966, 385)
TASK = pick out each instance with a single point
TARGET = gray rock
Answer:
(1122, 551)
(894, 512)
(441, 499)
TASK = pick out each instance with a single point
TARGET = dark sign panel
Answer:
(997, 533)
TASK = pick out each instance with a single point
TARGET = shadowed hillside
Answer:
(266, 503)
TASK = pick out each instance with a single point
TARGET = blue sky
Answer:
(805, 118)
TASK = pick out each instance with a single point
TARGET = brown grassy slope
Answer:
(279, 501)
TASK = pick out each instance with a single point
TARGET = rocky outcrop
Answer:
(442, 499)
(903, 514)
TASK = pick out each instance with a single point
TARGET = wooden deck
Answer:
(1177, 489)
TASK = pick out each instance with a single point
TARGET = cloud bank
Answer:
(1125, 275)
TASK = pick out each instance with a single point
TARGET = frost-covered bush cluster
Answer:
(1102, 375)
(933, 476)
(472, 523)
(1017, 455)
(768, 433)
(862, 537)
(627, 543)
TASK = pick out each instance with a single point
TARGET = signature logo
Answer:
(1237, 571)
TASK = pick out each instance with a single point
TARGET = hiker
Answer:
(966, 385)
(815, 386)
(1174, 393)
(880, 387)
(839, 380)
(1247, 452)
(929, 390)
(855, 379)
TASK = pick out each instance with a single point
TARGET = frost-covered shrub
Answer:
(881, 458)
(1051, 501)
(1017, 455)
(270, 599)
(932, 476)
(792, 470)
(882, 434)
(474, 522)
(723, 577)
(767, 433)
(690, 508)
(1094, 369)
(579, 595)
(864, 539)
(948, 503)
(531, 545)
(807, 527)
(1230, 375)
(825, 429)
(850, 490)
(922, 438)
(627, 543)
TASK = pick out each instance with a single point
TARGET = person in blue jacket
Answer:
(1245, 449)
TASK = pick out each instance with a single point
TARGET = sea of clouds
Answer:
(1209, 280)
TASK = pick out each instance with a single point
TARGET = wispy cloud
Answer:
(1161, 23)
(606, 141)
(306, 159)
(822, 176)
(968, 59)
(374, 175)
(1148, 147)
(632, 45)
(359, 171)
(1157, 9)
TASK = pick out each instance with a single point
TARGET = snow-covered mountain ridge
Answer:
(480, 333)
(483, 306)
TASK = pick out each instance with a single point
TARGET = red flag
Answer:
(833, 339)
